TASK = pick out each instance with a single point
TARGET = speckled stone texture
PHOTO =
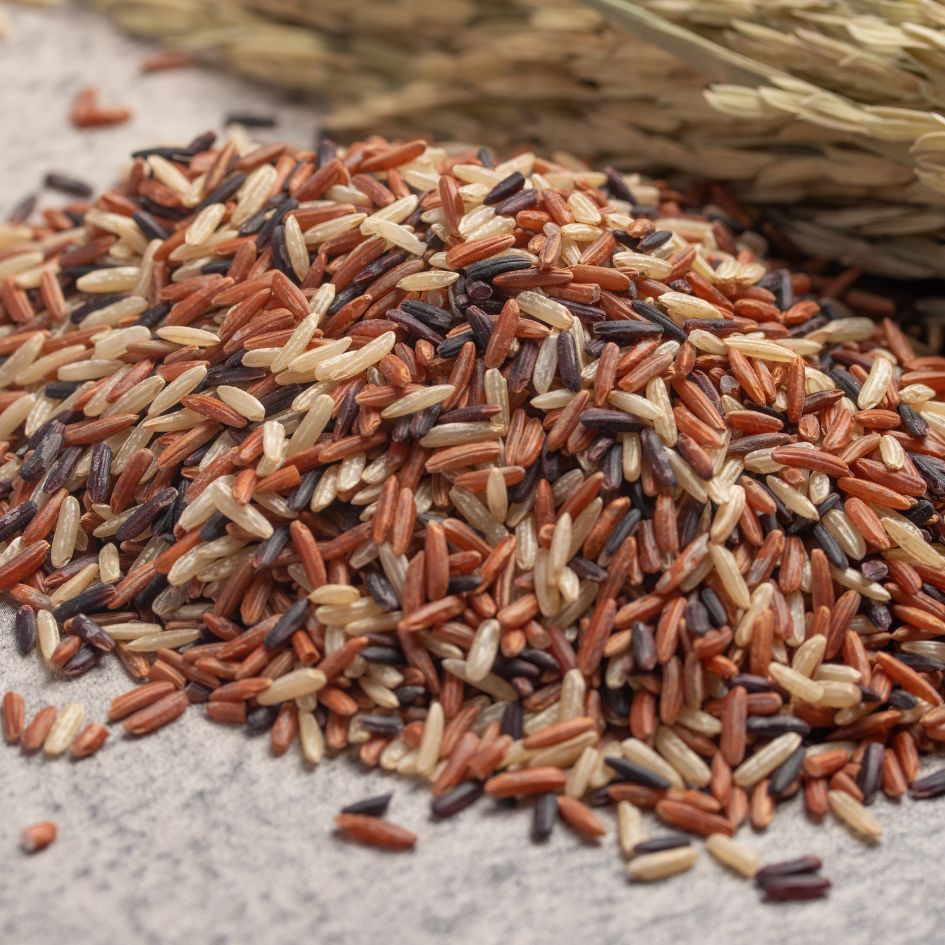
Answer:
(198, 835)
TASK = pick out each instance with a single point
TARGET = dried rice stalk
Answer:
(827, 117)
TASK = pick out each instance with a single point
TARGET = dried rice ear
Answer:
(775, 76)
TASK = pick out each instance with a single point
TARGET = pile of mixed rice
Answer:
(521, 479)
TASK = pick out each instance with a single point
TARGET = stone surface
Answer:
(198, 835)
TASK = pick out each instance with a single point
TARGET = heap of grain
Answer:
(520, 480)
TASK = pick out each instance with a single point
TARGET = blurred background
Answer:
(822, 115)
